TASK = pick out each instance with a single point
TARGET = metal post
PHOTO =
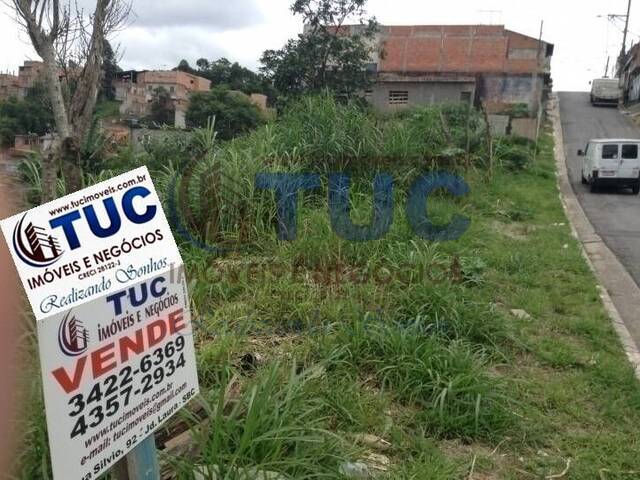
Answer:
(535, 103)
(140, 464)
(623, 50)
(626, 31)
(537, 93)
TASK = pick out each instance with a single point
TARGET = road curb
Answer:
(600, 258)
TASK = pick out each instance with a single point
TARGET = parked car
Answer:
(612, 162)
(605, 91)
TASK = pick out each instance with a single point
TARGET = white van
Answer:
(605, 91)
(612, 162)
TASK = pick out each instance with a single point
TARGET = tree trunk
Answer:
(489, 139)
(51, 161)
(70, 161)
(72, 124)
(52, 76)
(84, 99)
(49, 177)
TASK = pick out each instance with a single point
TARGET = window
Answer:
(397, 97)
(368, 94)
(371, 67)
(465, 97)
(172, 89)
(630, 152)
(610, 152)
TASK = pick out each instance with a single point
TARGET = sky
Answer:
(162, 32)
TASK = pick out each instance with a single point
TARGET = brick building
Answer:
(8, 86)
(482, 64)
(28, 75)
(18, 85)
(136, 91)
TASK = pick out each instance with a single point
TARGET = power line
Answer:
(612, 17)
(621, 30)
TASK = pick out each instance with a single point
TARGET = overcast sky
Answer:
(165, 31)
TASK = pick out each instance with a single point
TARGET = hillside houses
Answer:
(136, 91)
(18, 85)
(480, 64)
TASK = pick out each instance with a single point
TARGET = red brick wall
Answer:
(458, 49)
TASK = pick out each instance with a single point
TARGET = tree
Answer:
(229, 75)
(234, 114)
(184, 66)
(109, 70)
(71, 45)
(33, 114)
(326, 56)
(203, 64)
(162, 110)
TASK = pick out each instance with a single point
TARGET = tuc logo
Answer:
(37, 247)
(218, 187)
(286, 187)
(34, 245)
(73, 338)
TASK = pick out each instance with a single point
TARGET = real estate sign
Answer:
(105, 280)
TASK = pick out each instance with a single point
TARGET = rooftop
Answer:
(461, 49)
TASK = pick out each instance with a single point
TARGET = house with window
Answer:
(9, 86)
(477, 64)
(19, 85)
(29, 73)
(136, 90)
(630, 76)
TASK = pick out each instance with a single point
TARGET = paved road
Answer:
(615, 215)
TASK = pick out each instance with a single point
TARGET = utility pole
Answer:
(536, 93)
(535, 101)
(612, 17)
(623, 50)
(626, 30)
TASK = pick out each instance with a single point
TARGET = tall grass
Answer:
(407, 340)
(448, 380)
(275, 424)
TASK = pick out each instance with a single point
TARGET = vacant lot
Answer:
(486, 357)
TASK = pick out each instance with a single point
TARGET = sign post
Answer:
(106, 284)
(140, 464)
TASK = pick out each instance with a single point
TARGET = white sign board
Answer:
(105, 280)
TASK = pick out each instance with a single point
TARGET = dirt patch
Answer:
(10, 184)
(514, 231)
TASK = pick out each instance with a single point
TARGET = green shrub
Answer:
(274, 425)
(9, 128)
(32, 114)
(433, 132)
(514, 153)
(234, 114)
(162, 111)
(449, 381)
(325, 134)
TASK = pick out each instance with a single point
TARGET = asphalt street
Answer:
(614, 214)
